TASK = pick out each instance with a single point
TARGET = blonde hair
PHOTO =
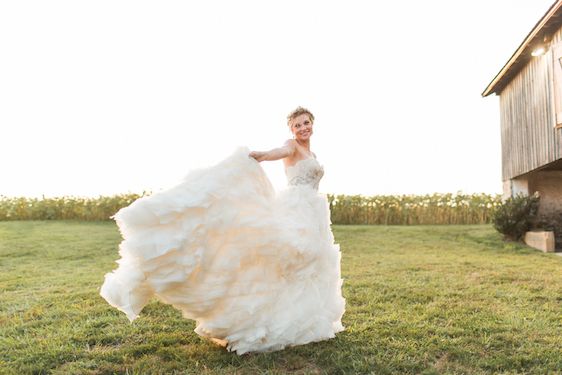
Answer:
(297, 112)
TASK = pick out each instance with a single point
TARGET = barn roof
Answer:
(542, 32)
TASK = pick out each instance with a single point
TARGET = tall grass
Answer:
(414, 209)
(64, 208)
(380, 209)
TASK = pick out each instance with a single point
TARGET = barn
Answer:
(529, 87)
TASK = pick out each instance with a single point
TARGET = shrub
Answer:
(516, 215)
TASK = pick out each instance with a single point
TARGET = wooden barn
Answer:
(530, 89)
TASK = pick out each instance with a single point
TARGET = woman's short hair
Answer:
(297, 112)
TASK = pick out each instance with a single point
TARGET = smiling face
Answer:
(301, 127)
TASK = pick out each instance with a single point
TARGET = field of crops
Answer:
(63, 208)
(382, 209)
(414, 209)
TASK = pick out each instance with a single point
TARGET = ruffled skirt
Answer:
(257, 271)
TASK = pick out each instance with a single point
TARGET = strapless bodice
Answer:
(305, 172)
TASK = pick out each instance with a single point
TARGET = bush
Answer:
(516, 215)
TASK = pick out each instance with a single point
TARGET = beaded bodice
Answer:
(305, 172)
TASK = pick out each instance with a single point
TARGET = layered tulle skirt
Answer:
(256, 270)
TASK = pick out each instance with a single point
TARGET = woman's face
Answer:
(301, 127)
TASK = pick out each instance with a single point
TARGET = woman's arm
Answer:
(287, 150)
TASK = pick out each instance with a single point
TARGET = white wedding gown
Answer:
(258, 271)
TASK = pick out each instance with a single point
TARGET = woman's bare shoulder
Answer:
(291, 144)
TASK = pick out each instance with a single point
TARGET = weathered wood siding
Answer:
(529, 137)
(527, 119)
(557, 39)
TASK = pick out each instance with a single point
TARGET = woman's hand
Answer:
(258, 155)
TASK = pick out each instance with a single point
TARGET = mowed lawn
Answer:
(420, 299)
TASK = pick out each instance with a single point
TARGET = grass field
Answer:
(420, 299)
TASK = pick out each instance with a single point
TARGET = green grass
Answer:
(420, 299)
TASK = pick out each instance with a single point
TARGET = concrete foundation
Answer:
(549, 185)
(543, 241)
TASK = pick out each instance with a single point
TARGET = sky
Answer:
(111, 97)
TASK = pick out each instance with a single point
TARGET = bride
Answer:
(257, 271)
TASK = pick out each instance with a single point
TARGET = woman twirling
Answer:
(258, 271)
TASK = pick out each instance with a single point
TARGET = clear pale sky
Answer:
(113, 97)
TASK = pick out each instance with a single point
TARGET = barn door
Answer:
(557, 64)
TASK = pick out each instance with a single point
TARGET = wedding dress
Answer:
(256, 270)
